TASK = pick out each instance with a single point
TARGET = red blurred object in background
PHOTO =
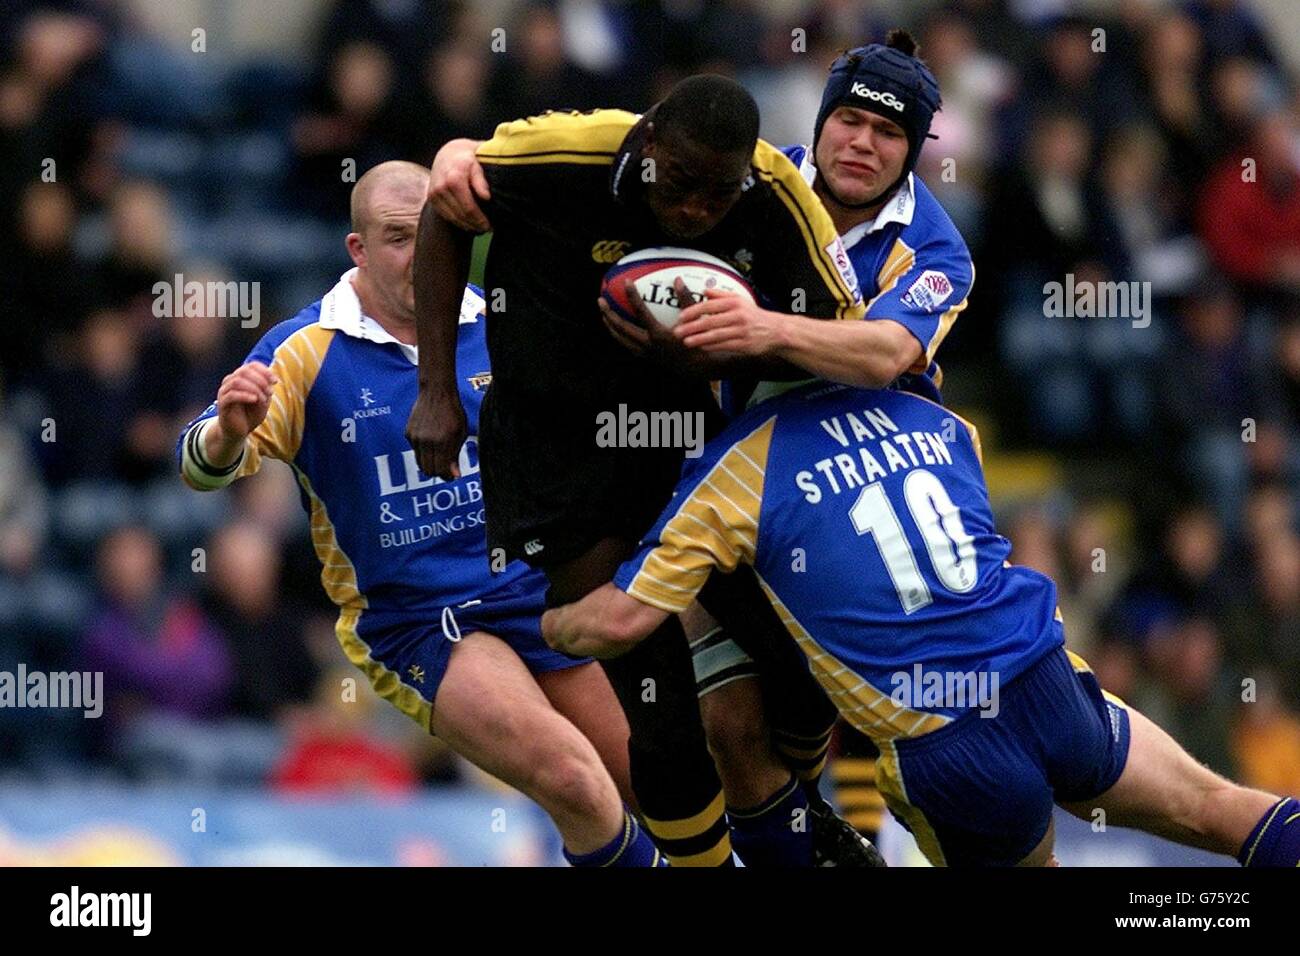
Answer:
(350, 763)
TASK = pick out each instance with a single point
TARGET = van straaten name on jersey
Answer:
(877, 96)
(874, 425)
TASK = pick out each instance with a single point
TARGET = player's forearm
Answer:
(209, 457)
(864, 353)
(219, 448)
(606, 623)
(440, 271)
(581, 627)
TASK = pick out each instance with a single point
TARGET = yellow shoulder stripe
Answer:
(814, 222)
(947, 320)
(898, 263)
(716, 526)
(581, 138)
(974, 438)
(296, 364)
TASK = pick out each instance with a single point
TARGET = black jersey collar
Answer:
(624, 181)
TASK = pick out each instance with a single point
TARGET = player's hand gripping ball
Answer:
(653, 273)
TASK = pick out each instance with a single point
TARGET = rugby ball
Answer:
(654, 272)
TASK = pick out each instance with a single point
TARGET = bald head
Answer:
(386, 206)
(390, 186)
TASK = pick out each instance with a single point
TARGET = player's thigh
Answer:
(1158, 780)
(798, 709)
(583, 695)
(740, 740)
(1164, 790)
(696, 621)
(734, 719)
(726, 681)
(491, 711)
(731, 702)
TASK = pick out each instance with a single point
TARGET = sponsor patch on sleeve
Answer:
(930, 290)
(840, 256)
(471, 306)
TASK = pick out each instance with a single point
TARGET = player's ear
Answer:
(356, 248)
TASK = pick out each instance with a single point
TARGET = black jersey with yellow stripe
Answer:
(567, 203)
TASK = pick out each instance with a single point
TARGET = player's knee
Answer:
(572, 783)
(736, 736)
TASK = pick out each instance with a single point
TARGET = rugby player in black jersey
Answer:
(570, 193)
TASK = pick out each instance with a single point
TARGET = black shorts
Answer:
(551, 491)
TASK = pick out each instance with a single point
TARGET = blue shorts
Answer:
(405, 653)
(980, 790)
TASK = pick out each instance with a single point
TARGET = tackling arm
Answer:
(606, 623)
(864, 353)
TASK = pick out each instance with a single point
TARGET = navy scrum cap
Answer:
(887, 79)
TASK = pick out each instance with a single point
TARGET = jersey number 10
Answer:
(952, 550)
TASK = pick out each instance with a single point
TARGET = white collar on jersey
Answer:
(899, 209)
(341, 310)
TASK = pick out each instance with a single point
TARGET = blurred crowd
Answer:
(1156, 144)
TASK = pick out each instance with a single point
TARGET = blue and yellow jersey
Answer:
(911, 262)
(388, 536)
(866, 517)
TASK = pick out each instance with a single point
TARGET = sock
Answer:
(777, 832)
(853, 774)
(630, 848)
(682, 806)
(673, 776)
(702, 839)
(805, 755)
(1275, 841)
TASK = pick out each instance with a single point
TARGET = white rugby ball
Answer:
(654, 272)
